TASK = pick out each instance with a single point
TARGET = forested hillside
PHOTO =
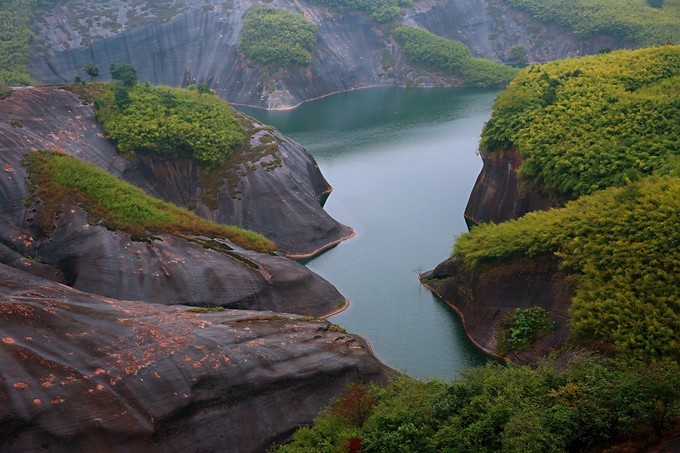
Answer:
(602, 130)
(642, 21)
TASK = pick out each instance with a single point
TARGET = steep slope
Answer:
(602, 131)
(171, 269)
(199, 45)
(86, 373)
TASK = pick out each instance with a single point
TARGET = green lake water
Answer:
(402, 163)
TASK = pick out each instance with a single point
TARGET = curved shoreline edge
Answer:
(324, 247)
(462, 319)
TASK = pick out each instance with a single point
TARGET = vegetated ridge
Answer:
(594, 283)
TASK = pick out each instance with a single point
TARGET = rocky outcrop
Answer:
(169, 269)
(483, 299)
(196, 42)
(499, 194)
(87, 373)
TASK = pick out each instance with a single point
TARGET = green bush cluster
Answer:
(441, 54)
(520, 328)
(276, 37)
(584, 407)
(169, 122)
(640, 21)
(381, 11)
(589, 123)
(621, 248)
(119, 205)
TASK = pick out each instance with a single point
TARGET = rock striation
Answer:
(87, 373)
(196, 42)
(170, 269)
(499, 194)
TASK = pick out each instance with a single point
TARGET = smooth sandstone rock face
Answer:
(87, 373)
(199, 45)
(170, 270)
(499, 195)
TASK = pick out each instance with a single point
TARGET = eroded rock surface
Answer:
(170, 269)
(483, 299)
(499, 194)
(88, 373)
(191, 41)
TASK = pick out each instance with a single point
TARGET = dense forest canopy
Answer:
(588, 123)
(119, 205)
(641, 21)
(585, 407)
(276, 37)
(441, 54)
(169, 122)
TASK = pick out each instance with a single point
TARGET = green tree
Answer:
(91, 70)
(124, 73)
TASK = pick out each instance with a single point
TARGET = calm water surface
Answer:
(402, 163)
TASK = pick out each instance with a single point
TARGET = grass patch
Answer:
(119, 205)
(205, 309)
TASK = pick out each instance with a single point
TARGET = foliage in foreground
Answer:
(169, 122)
(445, 55)
(502, 408)
(119, 205)
(643, 21)
(276, 37)
(621, 247)
(589, 123)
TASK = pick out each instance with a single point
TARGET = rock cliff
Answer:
(87, 373)
(196, 42)
(170, 269)
(498, 193)
(483, 299)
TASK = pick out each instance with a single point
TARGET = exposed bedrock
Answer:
(86, 373)
(199, 45)
(499, 194)
(483, 299)
(170, 269)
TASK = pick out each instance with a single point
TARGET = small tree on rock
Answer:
(91, 70)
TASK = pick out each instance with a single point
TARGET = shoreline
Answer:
(462, 319)
(323, 248)
(349, 90)
(339, 310)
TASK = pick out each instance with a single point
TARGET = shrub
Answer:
(169, 123)
(519, 329)
(276, 37)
